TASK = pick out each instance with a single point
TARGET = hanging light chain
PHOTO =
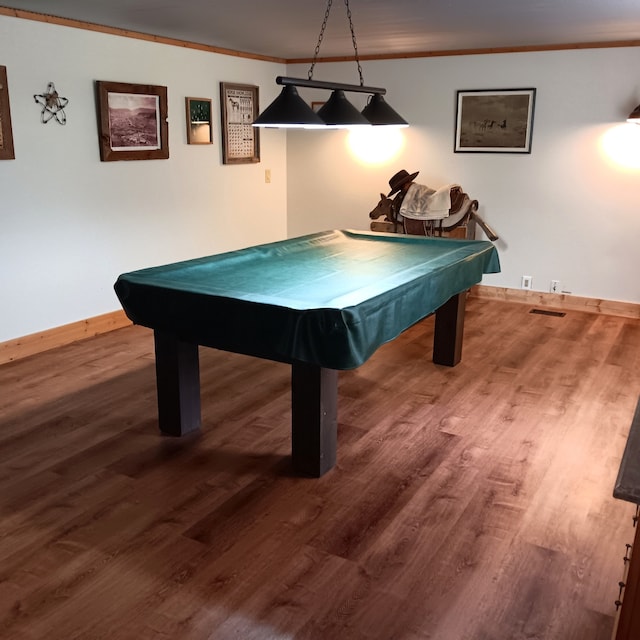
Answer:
(321, 36)
(353, 40)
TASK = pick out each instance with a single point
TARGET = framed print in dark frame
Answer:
(494, 121)
(199, 129)
(238, 109)
(132, 121)
(7, 151)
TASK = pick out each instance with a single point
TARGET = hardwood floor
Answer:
(472, 503)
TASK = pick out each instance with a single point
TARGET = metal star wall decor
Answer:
(52, 105)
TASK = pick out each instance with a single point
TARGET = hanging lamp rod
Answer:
(323, 84)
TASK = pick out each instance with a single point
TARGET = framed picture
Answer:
(494, 121)
(316, 106)
(199, 130)
(6, 135)
(132, 121)
(239, 108)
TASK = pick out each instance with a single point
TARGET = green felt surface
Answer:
(330, 298)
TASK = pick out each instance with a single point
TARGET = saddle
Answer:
(462, 206)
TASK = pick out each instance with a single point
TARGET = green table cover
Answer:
(329, 299)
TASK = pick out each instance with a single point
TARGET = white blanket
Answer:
(423, 203)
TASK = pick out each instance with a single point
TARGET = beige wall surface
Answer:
(568, 211)
(69, 223)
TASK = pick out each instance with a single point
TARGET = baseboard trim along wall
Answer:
(561, 301)
(60, 336)
(68, 333)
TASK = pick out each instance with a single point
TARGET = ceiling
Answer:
(289, 29)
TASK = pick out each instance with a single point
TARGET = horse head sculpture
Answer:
(383, 208)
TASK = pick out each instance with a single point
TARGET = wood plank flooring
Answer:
(468, 503)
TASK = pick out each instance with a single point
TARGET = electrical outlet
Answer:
(527, 282)
(555, 286)
(267, 176)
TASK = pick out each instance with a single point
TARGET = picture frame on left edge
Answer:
(132, 121)
(7, 151)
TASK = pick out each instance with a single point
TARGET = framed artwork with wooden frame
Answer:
(238, 109)
(6, 135)
(132, 121)
(494, 121)
(199, 129)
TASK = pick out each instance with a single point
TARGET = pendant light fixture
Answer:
(289, 110)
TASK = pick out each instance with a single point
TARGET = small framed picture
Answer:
(494, 121)
(132, 121)
(316, 106)
(238, 109)
(199, 130)
(6, 134)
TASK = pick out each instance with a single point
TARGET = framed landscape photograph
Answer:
(199, 130)
(238, 109)
(132, 121)
(6, 134)
(494, 121)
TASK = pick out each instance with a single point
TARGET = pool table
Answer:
(322, 303)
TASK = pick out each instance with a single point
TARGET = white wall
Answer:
(567, 211)
(69, 223)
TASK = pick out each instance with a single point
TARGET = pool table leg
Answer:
(447, 341)
(178, 384)
(314, 418)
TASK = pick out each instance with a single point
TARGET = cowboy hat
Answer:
(399, 180)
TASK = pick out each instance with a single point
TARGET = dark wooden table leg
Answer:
(314, 418)
(447, 341)
(178, 384)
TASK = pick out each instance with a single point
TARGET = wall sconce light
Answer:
(289, 110)
(634, 116)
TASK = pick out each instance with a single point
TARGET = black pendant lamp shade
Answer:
(289, 110)
(378, 112)
(338, 112)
